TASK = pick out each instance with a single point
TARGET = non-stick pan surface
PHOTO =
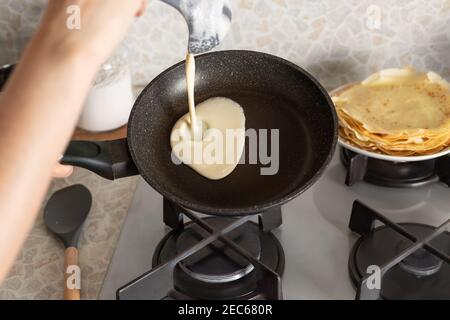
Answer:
(274, 93)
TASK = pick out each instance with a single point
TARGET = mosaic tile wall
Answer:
(338, 41)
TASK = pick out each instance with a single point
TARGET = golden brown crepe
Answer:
(398, 112)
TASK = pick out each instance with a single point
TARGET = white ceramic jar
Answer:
(110, 100)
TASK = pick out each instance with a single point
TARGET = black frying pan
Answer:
(274, 93)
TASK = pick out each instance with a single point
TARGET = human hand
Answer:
(103, 24)
(61, 171)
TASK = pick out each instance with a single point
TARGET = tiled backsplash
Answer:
(337, 40)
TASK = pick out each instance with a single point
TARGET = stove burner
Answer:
(410, 268)
(394, 174)
(421, 263)
(218, 263)
(213, 258)
(216, 272)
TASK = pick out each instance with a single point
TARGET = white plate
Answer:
(386, 157)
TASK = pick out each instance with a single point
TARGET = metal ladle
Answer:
(208, 22)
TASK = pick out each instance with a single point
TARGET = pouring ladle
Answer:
(208, 22)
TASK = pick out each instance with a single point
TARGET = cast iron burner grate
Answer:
(213, 258)
(407, 257)
(394, 174)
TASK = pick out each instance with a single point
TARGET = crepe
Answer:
(399, 112)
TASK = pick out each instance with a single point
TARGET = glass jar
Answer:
(110, 100)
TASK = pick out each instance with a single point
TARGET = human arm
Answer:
(41, 102)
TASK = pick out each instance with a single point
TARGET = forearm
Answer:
(41, 104)
(38, 113)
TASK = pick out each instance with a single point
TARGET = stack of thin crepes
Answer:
(398, 112)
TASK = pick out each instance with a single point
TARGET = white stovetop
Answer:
(314, 234)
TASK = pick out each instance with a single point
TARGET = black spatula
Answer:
(64, 215)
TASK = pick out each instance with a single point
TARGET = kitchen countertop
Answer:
(38, 271)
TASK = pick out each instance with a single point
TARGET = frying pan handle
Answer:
(108, 159)
(5, 72)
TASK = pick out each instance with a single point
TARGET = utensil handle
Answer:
(108, 159)
(72, 275)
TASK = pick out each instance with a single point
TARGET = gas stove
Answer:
(394, 174)
(319, 246)
(213, 258)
